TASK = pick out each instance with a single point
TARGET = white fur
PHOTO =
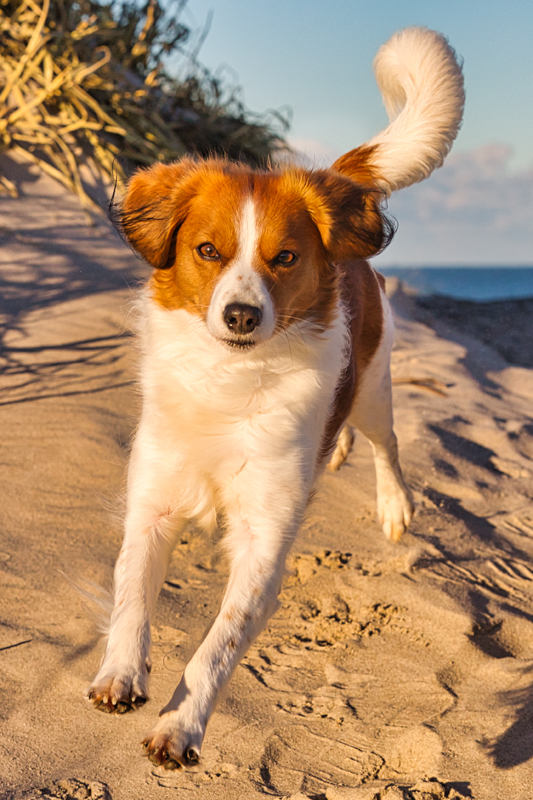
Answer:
(243, 284)
(422, 87)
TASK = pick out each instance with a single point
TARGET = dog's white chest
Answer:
(217, 408)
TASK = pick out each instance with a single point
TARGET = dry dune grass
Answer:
(80, 80)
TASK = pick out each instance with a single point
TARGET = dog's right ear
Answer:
(155, 205)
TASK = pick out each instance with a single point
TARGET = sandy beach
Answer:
(390, 672)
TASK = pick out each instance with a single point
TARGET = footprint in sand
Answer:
(67, 789)
(297, 759)
(304, 566)
(328, 702)
(430, 789)
(521, 436)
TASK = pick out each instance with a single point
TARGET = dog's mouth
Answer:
(240, 344)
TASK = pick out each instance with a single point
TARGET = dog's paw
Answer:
(164, 752)
(395, 512)
(342, 448)
(174, 744)
(118, 691)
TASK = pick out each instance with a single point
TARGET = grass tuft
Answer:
(82, 81)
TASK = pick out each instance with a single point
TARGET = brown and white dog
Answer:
(262, 328)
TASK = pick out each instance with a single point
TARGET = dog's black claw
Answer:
(192, 756)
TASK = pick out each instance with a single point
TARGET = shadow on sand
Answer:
(50, 255)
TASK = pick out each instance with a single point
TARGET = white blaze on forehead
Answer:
(241, 283)
(247, 233)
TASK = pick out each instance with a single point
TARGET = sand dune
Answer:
(390, 672)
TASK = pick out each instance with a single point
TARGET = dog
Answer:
(262, 328)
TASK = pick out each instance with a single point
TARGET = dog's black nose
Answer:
(241, 318)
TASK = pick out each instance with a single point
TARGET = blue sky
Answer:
(316, 57)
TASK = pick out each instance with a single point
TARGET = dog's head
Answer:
(249, 252)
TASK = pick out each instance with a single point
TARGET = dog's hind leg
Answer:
(372, 415)
(343, 447)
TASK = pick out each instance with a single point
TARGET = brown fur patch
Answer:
(358, 166)
(349, 217)
(155, 205)
(212, 216)
(360, 293)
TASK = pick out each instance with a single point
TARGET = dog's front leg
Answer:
(151, 530)
(122, 681)
(257, 546)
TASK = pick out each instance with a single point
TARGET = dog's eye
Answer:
(208, 251)
(286, 258)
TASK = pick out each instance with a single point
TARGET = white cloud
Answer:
(313, 154)
(473, 210)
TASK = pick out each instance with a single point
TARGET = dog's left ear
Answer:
(349, 216)
(155, 205)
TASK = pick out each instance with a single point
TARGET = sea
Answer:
(478, 283)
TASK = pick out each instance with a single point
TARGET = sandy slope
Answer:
(385, 667)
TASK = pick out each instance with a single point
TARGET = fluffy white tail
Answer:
(422, 87)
